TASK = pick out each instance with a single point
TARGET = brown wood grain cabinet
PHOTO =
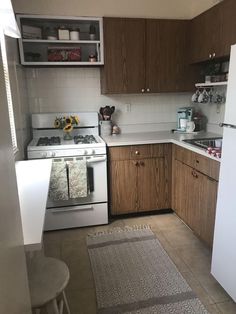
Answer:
(167, 55)
(140, 178)
(194, 192)
(146, 56)
(228, 11)
(213, 32)
(124, 56)
(206, 34)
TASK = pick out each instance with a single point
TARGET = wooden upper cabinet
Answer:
(206, 33)
(124, 56)
(146, 56)
(112, 76)
(213, 32)
(228, 11)
(167, 68)
(134, 47)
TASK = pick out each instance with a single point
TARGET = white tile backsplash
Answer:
(78, 89)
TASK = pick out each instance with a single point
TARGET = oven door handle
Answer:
(66, 210)
(96, 159)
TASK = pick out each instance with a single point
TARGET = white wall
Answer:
(78, 89)
(183, 9)
(14, 291)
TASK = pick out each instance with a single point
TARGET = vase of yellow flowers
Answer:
(66, 124)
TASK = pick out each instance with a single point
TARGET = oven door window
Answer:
(96, 181)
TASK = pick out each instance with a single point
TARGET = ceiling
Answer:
(180, 9)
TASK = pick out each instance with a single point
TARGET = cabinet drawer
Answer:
(201, 163)
(147, 151)
(184, 155)
(207, 166)
(138, 151)
(119, 153)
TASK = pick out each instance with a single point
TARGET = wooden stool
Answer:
(48, 277)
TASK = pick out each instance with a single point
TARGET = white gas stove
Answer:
(86, 146)
(48, 142)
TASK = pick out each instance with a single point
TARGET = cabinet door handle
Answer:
(142, 90)
(210, 56)
(194, 174)
(137, 163)
(197, 161)
(213, 55)
(148, 90)
(136, 152)
(142, 163)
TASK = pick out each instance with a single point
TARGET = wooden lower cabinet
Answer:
(151, 185)
(139, 184)
(182, 188)
(207, 208)
(123, 186)
(194, 196)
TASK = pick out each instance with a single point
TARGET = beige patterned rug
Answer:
(134, 274)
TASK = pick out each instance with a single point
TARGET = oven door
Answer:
(97, 182)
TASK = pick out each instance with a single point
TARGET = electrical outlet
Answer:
(127, 107)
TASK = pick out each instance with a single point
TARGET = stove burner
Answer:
(87, 139)
(49, 141)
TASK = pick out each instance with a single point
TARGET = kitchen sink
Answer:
(215, 142)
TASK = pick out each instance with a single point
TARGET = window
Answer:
(8, 26)
(8, 92)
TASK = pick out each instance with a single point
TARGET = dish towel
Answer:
(78, 183)
(58, 188)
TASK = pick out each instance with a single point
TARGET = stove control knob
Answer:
(85, 152)
(44, 155)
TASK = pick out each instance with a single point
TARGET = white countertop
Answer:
(159, 137)
(33, 178)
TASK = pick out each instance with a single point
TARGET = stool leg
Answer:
(66, 303)
(52, 307)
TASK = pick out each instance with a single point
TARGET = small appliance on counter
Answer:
(190, 121)
(184, 115)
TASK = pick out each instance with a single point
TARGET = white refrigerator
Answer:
(223, 266)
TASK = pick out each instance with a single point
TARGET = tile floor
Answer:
(188, 253)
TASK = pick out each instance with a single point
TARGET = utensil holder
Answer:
(105, 127)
